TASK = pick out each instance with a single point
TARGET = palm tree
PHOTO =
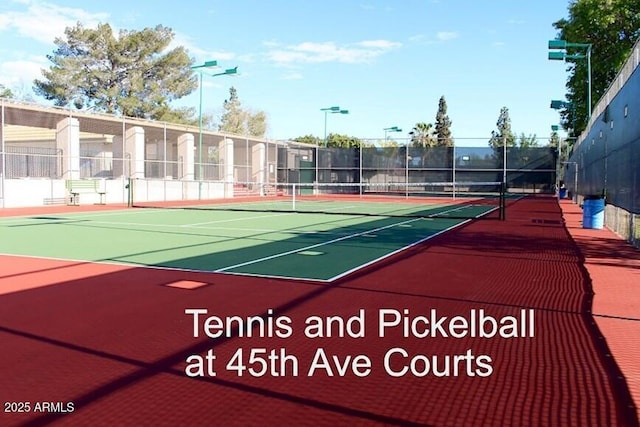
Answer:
(422, 135)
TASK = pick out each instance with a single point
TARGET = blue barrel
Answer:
(562, 193)
(593, 213)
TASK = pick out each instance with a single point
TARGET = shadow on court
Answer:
(115, 341)
(266, 245)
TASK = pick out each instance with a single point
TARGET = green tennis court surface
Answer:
(313, 246)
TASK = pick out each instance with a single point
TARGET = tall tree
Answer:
(308, 139)
(443, 125)
(554, 139)
(133, 73)
(233, 118)
(342, 141)
(238, 121)
(257, 123)
(422, 135)
(5, 92)
(21, 92)
(525, 141)
(334, 140)
(611, 27)
(504, 134)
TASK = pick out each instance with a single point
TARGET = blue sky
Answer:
(387, 62)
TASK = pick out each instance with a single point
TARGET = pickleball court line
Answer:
(258, 275)
(397, 251)
(225, 269)
(404, 248)
(317, 245)
(361, 266)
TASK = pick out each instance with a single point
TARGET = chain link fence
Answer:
(605, 159)
(527, 170)
(31, 133)
(32, 137)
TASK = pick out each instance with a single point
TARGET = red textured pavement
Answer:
(114, 341)
(613, 266)
(54, 209)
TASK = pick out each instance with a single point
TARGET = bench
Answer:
(78, 186)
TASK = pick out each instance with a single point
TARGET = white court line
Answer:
(404, 248)
(224, 270)
(197, 224)
(69, 215)
(107, 262)
(343, 274)
(273, 276)
(434, 215)
(256, 217)
(349, 236)
(259, 230)
(152, 267)
(111, 213)
(126, 224)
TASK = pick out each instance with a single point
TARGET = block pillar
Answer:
(68, 140)
(129, 162)
(258, 160)
(226, 161)
(120, 164)
(186, 158)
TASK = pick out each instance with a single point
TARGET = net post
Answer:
(453, 170)
(293, 197)
(503, 202)
(406, 170)
(360, 166)
(129, 188)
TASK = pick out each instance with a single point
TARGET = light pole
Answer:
(200, 69)
(332, 110)
(406, 155)
(559, 174)
(560, 54)
(559, 105)
(391, 129)
(554, 130)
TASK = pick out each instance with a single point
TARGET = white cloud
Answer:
(439, 37)
(417, 38)
(200, 54)
(446, 35)
(292, 76)
(44, 21)
(379, 44)
(248, 57)
(213, 83)
(21, 73)
(310, 52)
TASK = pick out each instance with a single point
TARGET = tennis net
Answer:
(466, 200)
